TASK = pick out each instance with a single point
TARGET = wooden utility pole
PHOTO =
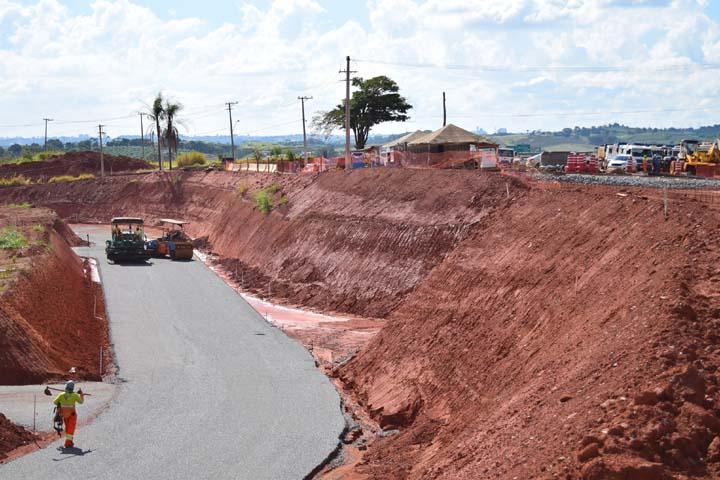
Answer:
(232, 137)
(102, 161)
(142, 135)
(46, 122)
(444, 111)
(302, 103)
(347, 72)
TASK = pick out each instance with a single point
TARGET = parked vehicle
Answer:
(621, 163)
(128, 241)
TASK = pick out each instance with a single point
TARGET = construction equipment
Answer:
(700, 158)
(127, 244)
(174, 242)
(49, 390)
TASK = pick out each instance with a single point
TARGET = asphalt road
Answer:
(209, 389)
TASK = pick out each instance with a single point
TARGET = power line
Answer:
(558, 68)
(302, 102)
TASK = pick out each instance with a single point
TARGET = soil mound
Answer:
(73, 163)
(46, 308)
(12, 436)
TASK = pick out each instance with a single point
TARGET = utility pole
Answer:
(102, 162)
(232, 137)
(142, 135)
(347, 72)
(46, 122)
(444, 111)
(302, 102)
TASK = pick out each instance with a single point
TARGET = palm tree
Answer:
(258, 156)
(156, 112)
(171, 131)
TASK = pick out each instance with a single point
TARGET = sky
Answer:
(514, 64)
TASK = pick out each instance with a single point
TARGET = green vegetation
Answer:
(191, 158)
(38, 228)
(15, 180)
(274, 188)
(263, 201)
(375, 101)
(70, 178)
(283, 200)
(242, 189)
(19, 205)
(10, 238)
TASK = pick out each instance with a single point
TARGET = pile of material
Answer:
(72, 163)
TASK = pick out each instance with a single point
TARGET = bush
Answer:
(38, 228)
(263, 201)
(14, 180)
(242, 189)
(190, 158)
(12, 239)
(19, 205)
(70, 178)
(283, 200)
(272, 189)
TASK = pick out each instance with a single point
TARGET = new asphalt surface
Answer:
(207, 389)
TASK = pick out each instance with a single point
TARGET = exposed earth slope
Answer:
(530, 332)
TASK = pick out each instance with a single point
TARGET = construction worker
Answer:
(65, 408)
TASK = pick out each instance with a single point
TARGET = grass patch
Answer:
(38, 228)
(10, 238)
(19, 205)
(70, 178)
(15, 180)
(283, 200)
(263, 201)
(272, 189)
(190, 158)
(242, 189)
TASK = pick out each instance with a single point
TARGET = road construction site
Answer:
(496, 326)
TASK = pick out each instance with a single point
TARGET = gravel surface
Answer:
(208, 390)
(687, 183)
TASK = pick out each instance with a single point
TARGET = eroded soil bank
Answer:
(52, 314)
(529, 333)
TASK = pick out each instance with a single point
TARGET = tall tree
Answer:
(171, 131)
(375, 101)
(156, 112)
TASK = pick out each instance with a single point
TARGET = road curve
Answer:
(210, 390)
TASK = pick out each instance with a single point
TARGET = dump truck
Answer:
(174, 242)
(127, 243)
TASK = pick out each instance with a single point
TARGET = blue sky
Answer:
(515, 64)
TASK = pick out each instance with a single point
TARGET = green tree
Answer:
(170, 135)
(156, 113)
(375, 101)
(257, 154)
(15, 150)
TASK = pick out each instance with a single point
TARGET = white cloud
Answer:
(104, 63)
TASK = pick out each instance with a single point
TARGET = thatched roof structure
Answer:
(399, 142)
(451, 134)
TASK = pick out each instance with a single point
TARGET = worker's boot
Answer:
(69, 444)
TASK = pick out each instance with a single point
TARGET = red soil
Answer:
(12, 437)
(73, 163)
(46, 313)
(529, 334)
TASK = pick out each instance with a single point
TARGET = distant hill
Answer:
(586, 138)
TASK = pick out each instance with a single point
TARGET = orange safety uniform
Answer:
(65, 403)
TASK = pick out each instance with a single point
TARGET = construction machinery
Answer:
(700, 158)
(174, 242)
(128, 241)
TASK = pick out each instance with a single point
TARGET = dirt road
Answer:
(208, 388)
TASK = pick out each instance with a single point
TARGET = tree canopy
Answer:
(375, 101)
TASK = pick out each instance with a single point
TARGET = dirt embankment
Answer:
(347, 243)
(73, 163)
(571, 336)
(530, 333)
(51, 313)
(12, 437)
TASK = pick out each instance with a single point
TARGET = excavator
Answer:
(700, 158)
